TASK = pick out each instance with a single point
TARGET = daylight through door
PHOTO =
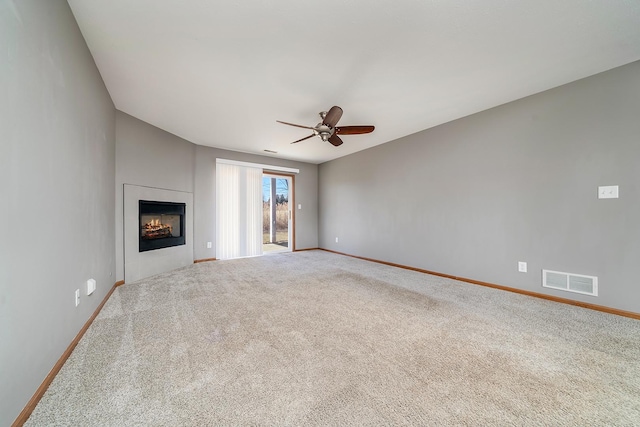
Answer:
(277, 216)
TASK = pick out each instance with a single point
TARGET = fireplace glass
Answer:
(161, 225)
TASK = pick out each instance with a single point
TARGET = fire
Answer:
(155, 229)
(155, 224)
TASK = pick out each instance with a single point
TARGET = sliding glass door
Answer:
(277, 214)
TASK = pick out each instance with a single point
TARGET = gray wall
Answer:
(146, 155)
(518, 182)
(306, 193)
(57, 163)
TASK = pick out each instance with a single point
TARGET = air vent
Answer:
(578, 283)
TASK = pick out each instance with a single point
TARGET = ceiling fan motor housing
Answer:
(323, 131)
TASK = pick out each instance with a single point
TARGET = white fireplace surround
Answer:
(138, 265)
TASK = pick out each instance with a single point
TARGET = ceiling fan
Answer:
(327, 129)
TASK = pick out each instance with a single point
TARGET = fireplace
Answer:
(161, 225)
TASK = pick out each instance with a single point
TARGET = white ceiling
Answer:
(220, 73)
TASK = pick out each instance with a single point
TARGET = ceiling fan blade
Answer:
(292, 124)
(306, 137)
(332, 117)
(335, 140)
(354, 130)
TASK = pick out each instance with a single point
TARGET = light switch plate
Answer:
(608, 192)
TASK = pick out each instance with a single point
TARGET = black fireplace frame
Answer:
(146, 207)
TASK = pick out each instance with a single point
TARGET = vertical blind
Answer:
(238, 211)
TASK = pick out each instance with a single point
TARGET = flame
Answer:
(156, 223)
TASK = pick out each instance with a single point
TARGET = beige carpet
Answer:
(314, 338)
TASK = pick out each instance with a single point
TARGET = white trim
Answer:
(258, 165)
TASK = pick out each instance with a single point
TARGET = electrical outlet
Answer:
(336, 240)
(208, 245)
(77, 297)
(608, 192)
(522, 267)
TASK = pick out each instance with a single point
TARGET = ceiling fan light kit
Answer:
(327, 130)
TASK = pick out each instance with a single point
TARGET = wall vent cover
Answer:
(578, 283)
